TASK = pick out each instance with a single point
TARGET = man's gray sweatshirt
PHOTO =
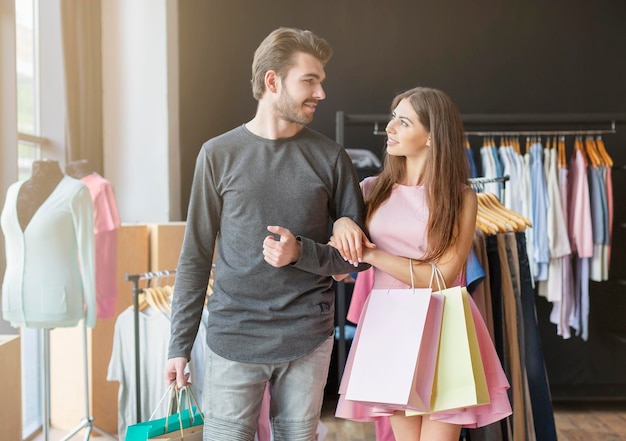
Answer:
(242, 184)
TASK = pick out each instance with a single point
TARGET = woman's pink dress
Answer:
(399, 227)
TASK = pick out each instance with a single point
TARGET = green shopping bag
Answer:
(178, 422)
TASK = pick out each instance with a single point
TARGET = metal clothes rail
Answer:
(509, 124)
(478, 184)
(135, 278)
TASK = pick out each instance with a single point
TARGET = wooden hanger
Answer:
(561, 153)
(154, 297)
(141, 301)
(485, 225)
(500, 224)
(484, 208)
(503, 209)
(490, 202)
(578, 147)
(608, 161)
(146, 300)
(592, 154)
(168, 291)
(162, 298)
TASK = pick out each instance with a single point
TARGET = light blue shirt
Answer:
(541, 248)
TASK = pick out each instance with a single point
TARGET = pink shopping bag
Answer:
(395, 351)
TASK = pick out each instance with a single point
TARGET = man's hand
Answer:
(174, 371)
(283, 251)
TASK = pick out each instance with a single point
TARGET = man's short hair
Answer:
(276, 52)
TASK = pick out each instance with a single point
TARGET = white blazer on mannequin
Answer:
(50, 277)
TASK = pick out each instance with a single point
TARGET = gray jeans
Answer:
(233, 393)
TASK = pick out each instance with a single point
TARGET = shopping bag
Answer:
(175, 426)
(193, 433)
(460, 376)
(396, 349)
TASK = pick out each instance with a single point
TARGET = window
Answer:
(28, 150)
(28, 96)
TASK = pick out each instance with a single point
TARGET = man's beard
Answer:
(289, 110)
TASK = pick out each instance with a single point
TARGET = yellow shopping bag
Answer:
(459, 376)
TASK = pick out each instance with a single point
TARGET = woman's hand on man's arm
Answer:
(349, 240)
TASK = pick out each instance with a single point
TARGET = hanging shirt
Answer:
(599, 220)
(106, 224)
(499, 169)
(49, 280)
(561, 313)
(581, 239)
(515, 187)
(520, 183)
(489, 169)
(472, 163)
(539, 209)
(558, 240)
(579, 228)
(527, 212)
(609, 200)
(506, 165)
(553, 288)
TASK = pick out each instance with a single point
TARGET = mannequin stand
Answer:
(87, 422)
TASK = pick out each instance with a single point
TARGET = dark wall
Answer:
(491, 56)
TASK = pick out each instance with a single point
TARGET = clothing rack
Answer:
(540, 132)
(573, 124)
(478, 184)
(479, 125)
(135, 278)
(543, 124)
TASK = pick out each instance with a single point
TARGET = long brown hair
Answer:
(446, 169)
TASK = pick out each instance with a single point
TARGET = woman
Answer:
(420, 208)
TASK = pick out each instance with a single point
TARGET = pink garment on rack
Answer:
(579, 217)
(106, 224)
(563, 310)
(264, 430)
(581, 239)
(609, 199)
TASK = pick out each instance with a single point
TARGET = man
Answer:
(271, 314)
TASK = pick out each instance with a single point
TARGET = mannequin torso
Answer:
(45, 177)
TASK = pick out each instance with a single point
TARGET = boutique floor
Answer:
(574, 422)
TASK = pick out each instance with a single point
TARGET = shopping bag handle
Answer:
(190, 397)
(178, 393)
(412, 281)
(434, 275)
(171, 391)
(438, 276)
